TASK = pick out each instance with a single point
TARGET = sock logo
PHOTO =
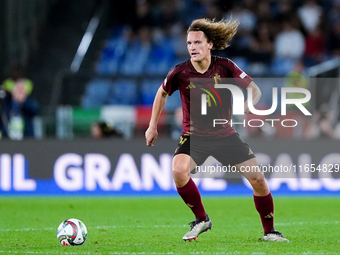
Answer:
(269, 216)
(191, 206)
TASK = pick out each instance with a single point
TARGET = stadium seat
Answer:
(148, 91)
(97, 93)
(136, 59)
(124, 92)
(173, 102)
(112, 55)
(282, 66)
(241, 62)
(160, 60)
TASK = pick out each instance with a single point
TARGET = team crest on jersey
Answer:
(217, 78)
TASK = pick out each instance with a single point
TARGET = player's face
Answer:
(198, 46)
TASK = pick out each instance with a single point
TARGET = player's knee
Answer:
(258, 183)
(179, 172)
(180, 168)
(180, 177)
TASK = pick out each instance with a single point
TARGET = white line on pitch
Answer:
(305, 222)
(162, 226)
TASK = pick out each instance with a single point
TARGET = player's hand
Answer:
(151, 135)
(246, 110)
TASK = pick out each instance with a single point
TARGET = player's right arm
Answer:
(151, 133)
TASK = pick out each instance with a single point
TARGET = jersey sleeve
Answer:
(170, 83)
(241, 78)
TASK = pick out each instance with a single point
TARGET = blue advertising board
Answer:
(121, 167)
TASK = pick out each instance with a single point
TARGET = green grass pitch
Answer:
(156, 226)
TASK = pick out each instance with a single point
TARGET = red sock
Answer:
(191, 196)
(265, 206)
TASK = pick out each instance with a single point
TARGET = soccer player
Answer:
(223, 142)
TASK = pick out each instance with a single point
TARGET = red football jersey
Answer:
(191, 84)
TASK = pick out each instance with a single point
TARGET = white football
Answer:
(72, 232)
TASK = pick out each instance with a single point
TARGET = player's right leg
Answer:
(187, 189)
(262, 198)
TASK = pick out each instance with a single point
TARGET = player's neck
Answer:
(203, 65)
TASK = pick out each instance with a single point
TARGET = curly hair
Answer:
(217, 32)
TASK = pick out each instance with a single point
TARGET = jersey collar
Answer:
(194, 69)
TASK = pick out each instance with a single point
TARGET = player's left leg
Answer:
(262, 198)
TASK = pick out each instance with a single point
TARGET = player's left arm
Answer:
(256, 95)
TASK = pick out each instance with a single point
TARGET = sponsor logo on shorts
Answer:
(250, 152)
(182, 140)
